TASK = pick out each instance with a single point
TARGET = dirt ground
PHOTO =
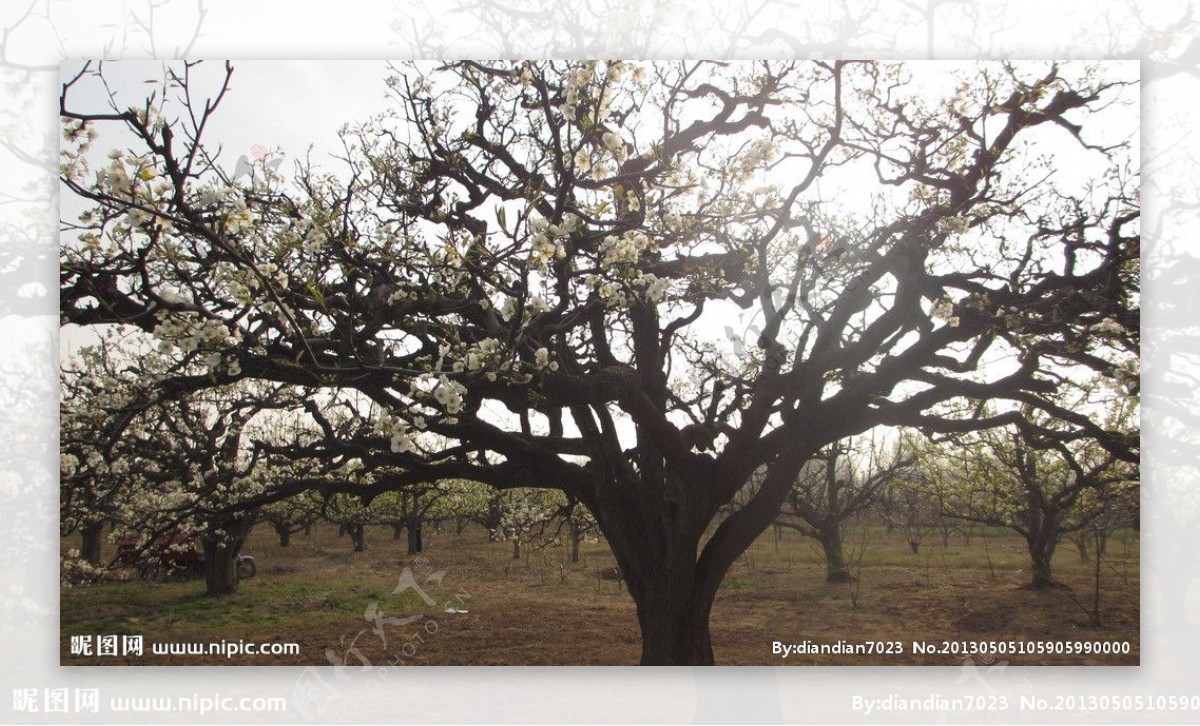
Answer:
(353, 609)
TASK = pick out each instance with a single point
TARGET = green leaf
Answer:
(316, 294)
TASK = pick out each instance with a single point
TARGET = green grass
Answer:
(182, 607)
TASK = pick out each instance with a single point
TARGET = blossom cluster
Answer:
(188, 332)
(623, 250)
(759, 153)
(953, 225)
(546, 240)
(943, 309)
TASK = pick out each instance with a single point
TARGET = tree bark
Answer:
(415, 544)
(671, 588)
(359, 537)
(220, 556)
(220, 568)
(1041, 552)
(576, 538)
(284, 532)
(93, 542)
(830, 537)
(675, 631)
(673, 606)
(1080, 541)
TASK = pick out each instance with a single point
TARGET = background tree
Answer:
(92, 468)
(841, 482)
(407, 510)
(524, 515)
(910, 507)
(530, 260)
(1041, 488)
(291, 516)
(580, 524)
(196, 477)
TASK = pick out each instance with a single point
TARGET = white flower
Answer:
(953, 225)
(616, 145)
(1108, 326)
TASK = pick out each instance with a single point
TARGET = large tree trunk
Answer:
(1041, 552)
(830, 537)
(220, 568)
(654, 521)
(93, 541)
(1042, 538)
(415, 544)
(672, 590)
(674, 600)
(675, 631)
(220, 556)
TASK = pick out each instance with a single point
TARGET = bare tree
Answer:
(836, 485)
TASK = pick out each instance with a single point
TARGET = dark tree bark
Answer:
(1042, 544)
(284, 531)
(830, 538)
(576, 538)
(674, 601)
(93, 542)
(220, 568)
(1043, 522)
(415, 544)
(358, 536)
(220, 555)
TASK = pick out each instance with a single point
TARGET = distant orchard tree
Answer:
(1041, 488)
(837, 484)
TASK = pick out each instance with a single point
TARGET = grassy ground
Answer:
(341, 607)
